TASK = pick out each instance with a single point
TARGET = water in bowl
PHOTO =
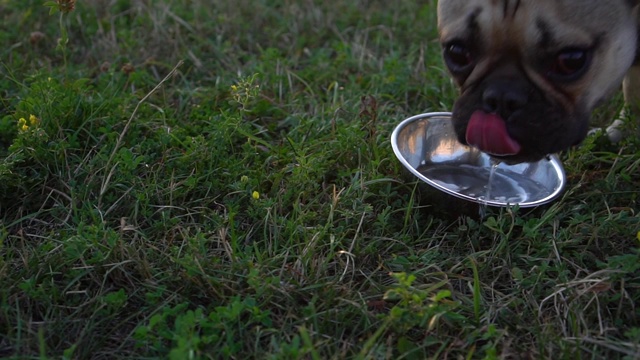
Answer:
(485, 198)
(487, 184)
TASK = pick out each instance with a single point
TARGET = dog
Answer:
(531, 71)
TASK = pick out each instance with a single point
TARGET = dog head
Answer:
(531, 71)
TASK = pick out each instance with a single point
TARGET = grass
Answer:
(246, 203)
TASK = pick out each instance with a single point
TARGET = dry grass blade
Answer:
(116, 147)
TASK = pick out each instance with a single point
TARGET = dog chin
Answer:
(524, 156)
(518, 159)
(535, 141)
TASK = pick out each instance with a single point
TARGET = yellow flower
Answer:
(22, 124)
(234, 88)
(256, 195)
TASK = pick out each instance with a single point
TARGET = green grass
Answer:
(248, 204)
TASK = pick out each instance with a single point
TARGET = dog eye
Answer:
(569, 64)
(457, 57)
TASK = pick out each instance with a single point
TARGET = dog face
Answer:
(531, 71)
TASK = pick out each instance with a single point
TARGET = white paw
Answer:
(595, 131)
(615, 131)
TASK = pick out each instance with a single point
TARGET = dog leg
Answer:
(631, 92)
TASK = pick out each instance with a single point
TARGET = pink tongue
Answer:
(488, 132)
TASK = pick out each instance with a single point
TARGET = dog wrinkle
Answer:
(472, 20)
(509, 4)
(546, 39)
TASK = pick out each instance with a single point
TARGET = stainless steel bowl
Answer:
(427, 146)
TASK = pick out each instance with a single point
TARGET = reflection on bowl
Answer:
(427, 146)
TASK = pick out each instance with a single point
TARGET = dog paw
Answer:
(615, 131)
(595, 132)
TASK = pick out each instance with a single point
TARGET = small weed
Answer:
(193, 334)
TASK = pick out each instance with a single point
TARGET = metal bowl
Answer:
(427, 146)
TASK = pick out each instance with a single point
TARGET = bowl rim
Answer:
(553, 159)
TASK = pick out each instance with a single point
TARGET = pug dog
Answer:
(531, 71)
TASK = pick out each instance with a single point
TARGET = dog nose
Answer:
(503, 99)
